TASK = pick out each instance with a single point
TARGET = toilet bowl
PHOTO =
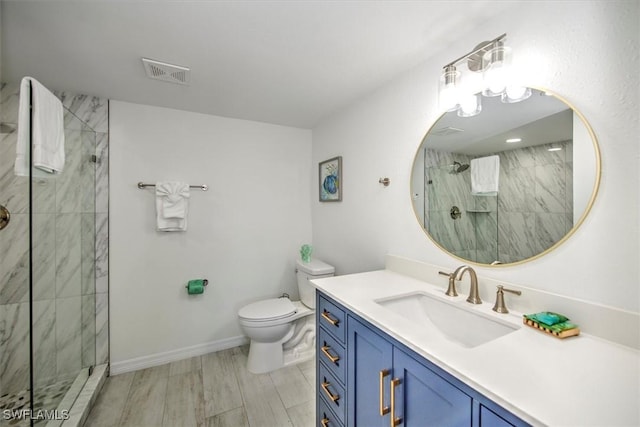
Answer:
(282, 332)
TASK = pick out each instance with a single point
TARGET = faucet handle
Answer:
(500, 306)
(451, 290)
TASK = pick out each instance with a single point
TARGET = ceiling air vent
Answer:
(166, 72)
(446, 131)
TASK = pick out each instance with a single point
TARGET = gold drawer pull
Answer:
(325, 386)
(324, 422)
(325, 314)
(325, 350)
(394, 421)
(383, 409)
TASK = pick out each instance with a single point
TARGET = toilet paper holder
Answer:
(205, 282)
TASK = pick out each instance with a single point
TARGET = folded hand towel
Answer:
(485, 173)
(172, 205)
(43, 126)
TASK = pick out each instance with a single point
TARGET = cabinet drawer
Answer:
(332, 354)
(326, 418)
(331, 392)
(332, 317)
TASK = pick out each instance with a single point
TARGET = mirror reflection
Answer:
(508, 184)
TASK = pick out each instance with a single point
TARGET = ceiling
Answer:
(537, 120)
(284, 62)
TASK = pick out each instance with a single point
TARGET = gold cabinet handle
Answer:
(394, 421)
(325, 314)
(383, 409)
(325, 386)
(325, 350)
(324, 422)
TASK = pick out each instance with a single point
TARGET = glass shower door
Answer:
(461, 223)
(63, 276)
(446, 218)
(14, 271)
(47, 275)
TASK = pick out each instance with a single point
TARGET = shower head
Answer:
(462, 168)
(459, 167)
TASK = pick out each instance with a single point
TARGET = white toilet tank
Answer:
(305, 271)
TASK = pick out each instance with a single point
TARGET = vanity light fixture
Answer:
(461, 91)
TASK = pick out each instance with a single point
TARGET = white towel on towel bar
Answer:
(172, 206)
(485, 175)
(48, 131)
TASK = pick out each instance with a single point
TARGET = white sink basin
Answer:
(452, 320)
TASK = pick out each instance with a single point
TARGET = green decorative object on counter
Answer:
(547, 318)
(552, 323)
(305, 253)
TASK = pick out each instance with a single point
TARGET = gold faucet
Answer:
(474, 297)
(500, 306)
(451, 290)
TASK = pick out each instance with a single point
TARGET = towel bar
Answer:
(203, 187)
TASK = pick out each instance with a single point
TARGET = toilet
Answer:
(282, 332)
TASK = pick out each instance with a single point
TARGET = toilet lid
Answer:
(269, 309)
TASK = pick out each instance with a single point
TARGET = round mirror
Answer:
(509, 184)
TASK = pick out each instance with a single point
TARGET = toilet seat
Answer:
(267, 310)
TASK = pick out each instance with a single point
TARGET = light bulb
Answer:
(470, 105)
(449, 98)
(514, 94)
(495, 80)
(448, 93)
(497, 65)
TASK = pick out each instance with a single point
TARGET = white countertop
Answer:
(578, 381)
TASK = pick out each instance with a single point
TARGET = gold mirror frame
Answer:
(576, 226)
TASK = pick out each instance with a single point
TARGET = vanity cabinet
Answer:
(379, 378)
(331, 373)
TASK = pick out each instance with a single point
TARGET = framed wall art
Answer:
(330, 180)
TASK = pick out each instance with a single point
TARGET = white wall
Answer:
(587, 52)
(243, 234)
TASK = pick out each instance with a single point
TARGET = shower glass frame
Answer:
(62, 286)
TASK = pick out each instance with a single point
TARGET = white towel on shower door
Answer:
(172, 206)
(485, 175)
(47, 129)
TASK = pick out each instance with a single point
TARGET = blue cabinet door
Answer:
(424, 398)
(368, 355)
(488, 418)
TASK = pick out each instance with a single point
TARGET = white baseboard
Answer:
(158, 359)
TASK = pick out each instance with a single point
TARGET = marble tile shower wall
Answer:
(533, 211)
(535, 205)
(67, 286)
(446, 189)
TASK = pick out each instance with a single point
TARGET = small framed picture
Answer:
(331, 180)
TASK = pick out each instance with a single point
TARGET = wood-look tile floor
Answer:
(214, 390)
